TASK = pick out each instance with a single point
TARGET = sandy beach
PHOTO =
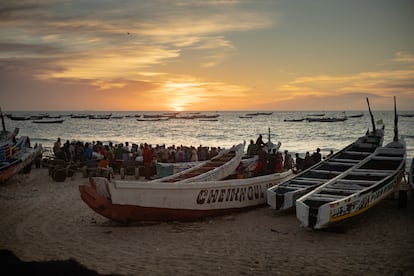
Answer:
(45, 220)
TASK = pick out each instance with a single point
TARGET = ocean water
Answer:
(229, 129)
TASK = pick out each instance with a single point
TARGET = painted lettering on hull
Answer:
(247, 193)
(361, 203)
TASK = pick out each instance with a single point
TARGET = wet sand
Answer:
(46, 220)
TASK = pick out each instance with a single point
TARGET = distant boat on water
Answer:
(19, 118)
(355, 116)
(155, 119)
(104, 116)
(327, 119)
(259, 113)
(406, 115)
(316, 114)
(79, 116)
(48, 121)
(294, 120)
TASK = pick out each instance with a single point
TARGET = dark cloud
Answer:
(18, 48)
(11, 10)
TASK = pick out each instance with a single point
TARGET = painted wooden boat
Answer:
(216, 168)
(20, 160)
(356, 190)
(283, 196)
(9, 145)
(166, 169)
(133, 201)
(7, 137)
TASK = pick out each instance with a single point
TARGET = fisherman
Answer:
(56, 146)
(299, 162)
(316, 156)
(259, 141)
(288, 163)
(148, 157)
(308, 162)
(252, 148)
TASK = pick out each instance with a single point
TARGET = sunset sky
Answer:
(206, 55)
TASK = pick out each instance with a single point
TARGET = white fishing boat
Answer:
(356, 190)
(284, 195)
(216, 168)
(165, 169)
(131, 201)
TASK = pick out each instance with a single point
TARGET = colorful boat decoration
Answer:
(21, 159)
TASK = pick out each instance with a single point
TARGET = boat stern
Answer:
(312, 216)
(96, 194)
(302, 213)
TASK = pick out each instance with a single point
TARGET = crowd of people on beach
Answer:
(112, 155)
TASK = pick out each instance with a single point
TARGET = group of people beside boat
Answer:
(79, 151)
(112, 155)
(274, 161)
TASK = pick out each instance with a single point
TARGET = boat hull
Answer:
(284, 196)
(21, 160)
(217, 168)
(338, 211)
(355, 191)
(131, 201)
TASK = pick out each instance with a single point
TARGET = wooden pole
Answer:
(395, 121)
(372, 117)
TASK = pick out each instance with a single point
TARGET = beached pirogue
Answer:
(283, 196)
(215, 169)
(356, 190)
(179, 200)
(16, 157)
